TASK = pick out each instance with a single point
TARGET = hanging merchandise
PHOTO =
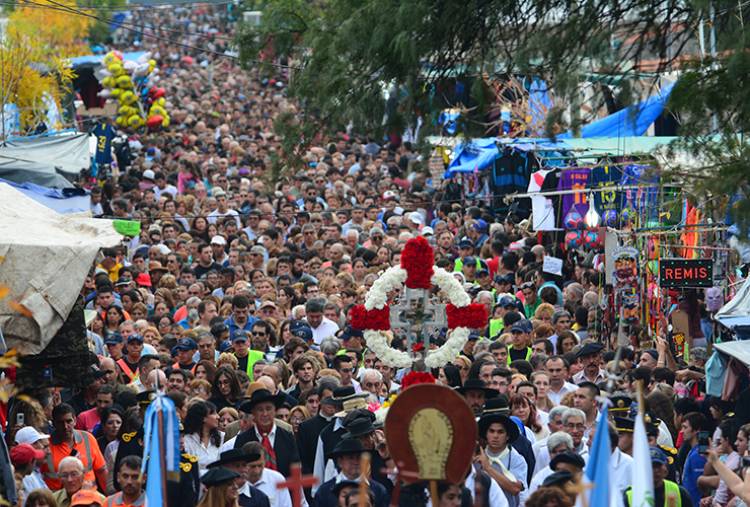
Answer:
(574, 206)
(607, 203)
(627, 293)
(131, 84)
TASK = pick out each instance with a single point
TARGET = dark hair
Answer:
(193, 422)
(664, 375)
(452, 375)
(549, 349)
(497, 345)
(522, 366)
(477, 366)
(132, 461)
(235, 391)
(531, 422)
(566, 363)
(697, 421)
(593, 388)
(210, 368)
(686, 405)
(240, 301)
(61, 410)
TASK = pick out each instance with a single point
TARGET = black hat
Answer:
(343, 484)
(347, 446)
(217, 476)
(358, 427)
(496, 410)
(624, 424)
(590, 349)
(233, 456)
(557, 479)
(620, 403)
(475, 384)
(342, 392)
(145, 398)
(261, 396)
(567, 457)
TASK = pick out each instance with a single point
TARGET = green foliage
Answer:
(346, 54)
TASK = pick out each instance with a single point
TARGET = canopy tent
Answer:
(739, 350)
(64, 201)
(48, 160)
(735, 315)
(45, 259)
(473, 156)
(631, 121)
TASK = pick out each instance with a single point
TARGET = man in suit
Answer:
(309, 430)
(347, 455)
(279, 444)
(324, 468)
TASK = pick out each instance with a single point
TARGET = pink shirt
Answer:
(87, 420)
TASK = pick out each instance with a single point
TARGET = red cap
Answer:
(23, 454)
(143, 279)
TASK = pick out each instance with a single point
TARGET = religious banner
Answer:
(627, 298)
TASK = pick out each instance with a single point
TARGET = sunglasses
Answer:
(259, 333)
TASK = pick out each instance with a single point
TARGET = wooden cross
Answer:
(400, 474)
(418, 316)
(296, 482)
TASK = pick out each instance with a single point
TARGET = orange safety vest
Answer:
(84, 448)
(116, 501)
(126, 369)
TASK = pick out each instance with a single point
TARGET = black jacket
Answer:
(324, 495)
(256, 499)
(307, 440)
(284, 444)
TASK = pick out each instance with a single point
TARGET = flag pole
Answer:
(162, 453)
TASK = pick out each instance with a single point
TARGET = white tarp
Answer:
(739, 350)
(44, 260)
(737, 311)
(49, 160)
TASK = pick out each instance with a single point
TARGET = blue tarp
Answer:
(473, 156)
(63, 201)
(631, 121)
(94, 60)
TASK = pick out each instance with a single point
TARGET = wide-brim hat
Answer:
(234, 456)
(497, 410)
(345, 447)
(351, 403)
(359, 427)
(567, 457)
(260, 396)
(217, 476)
(475, 384)
(589, 349)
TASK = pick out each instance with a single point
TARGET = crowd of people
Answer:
(234, 301)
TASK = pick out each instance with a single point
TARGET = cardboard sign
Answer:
(685, 273)
(552, 265)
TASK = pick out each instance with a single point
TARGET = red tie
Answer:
(270, 453)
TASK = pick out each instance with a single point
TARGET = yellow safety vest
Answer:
(671, 490)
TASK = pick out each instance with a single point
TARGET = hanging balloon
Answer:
(165, 122)
(625, 216)
(155, 121)
(610, 218)
(573, 239)
(573, 219)
(161, 102)
(109, 59)
(129, 65)
(124, 82)
(158, 93)
(128, 98)
(102, 73)
(108, 82)
(158, 111)
(591, 239)
(142, 70)
(121, 121)
(115, 69)
(135, 121)
(118, 54)
(115, 92)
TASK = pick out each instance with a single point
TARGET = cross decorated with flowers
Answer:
(402, 298)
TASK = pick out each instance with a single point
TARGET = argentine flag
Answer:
(643, 480)
(597, 492)
(154, 448)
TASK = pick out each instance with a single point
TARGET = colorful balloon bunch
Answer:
(131, 84)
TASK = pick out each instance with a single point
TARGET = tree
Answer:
(379, 64)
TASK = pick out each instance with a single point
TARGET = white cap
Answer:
(415, 218)
(218, 240)
(29, 435)
(427, 230)
(149, 175)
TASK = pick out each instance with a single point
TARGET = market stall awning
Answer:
(45, 259)
(473, 156)
(739, 350)
(736, 313)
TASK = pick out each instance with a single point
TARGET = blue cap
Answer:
(239, 336)
(113, 339)
(465, 243)
(658, 456)
(506, 278)
(135, 338)
(350, 333)
(301, 330)
(185, 344)
(522, 326)
(480, 225)
(506, 301)
(225, 345)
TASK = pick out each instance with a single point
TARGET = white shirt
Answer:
(271, 435)
(543, 459)
(33, 481)
(216, 214)
(205, 454)
(537, 481)
(497, 497)
(228, 445)
(620, 473)
(555, 397)
(278, 497)
(326, 329)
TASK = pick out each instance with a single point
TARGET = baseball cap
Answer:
(522, 326)
(390, 194)
(219, 192)
(148, 174)
(657, 456)
(186, 344)
(506, 278)
(506, 302)
(480, 225)
(135, 338)
(29, 435)
(427, 230)
(470, 261)
(113, 339)
(23, 454)
(465, 243)
(375, 231)
(257, 249)
(218, 240)
(301, 330)
(143, 279)
(268, 304)
(87, 497)
(415, 218)
(590, 349)
(239, 336)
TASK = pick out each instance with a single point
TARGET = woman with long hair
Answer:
(521, 407)
(540, 379)
(114, 316)
(202, 436)
(205, 370)
(221, 488)
(226, 391)
(109, 429)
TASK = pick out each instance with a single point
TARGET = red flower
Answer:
(417, 259)
(416, 377)
(378, 320)
(473, 316)
(417, 347)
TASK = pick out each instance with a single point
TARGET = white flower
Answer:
(378, 343)
(377, 297)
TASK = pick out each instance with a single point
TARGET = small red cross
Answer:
(296, 482)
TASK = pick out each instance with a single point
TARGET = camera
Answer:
(703, 441)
